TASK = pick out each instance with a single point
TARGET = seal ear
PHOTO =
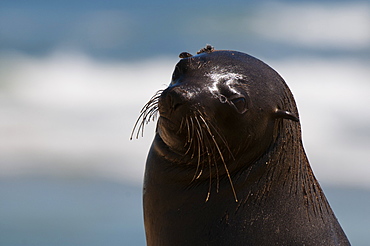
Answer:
(185, 55)
(285, 115)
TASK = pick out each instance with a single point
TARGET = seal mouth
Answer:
(166, 122)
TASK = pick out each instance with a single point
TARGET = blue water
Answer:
(128, 30)
(53, 212)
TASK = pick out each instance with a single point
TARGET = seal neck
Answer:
(282, 173)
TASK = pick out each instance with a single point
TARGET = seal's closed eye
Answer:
(240, 104)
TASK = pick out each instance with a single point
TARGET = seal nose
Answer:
(172, 100)
(177, 97)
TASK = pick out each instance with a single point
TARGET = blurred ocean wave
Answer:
(132, 30)
(67, 114)
(316, 25)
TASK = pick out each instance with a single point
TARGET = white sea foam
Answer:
(67, 114)
(323, 25)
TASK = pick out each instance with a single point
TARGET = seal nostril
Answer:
(175, 105)
(176, 98)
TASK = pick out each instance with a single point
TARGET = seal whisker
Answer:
(155, 97)
(222, 139)
(146, 118)
(201, 148)
(181, 126)
(221, 156)
(193, 133)
(210, 177)
(190, 140)
(188, 127)
(151, 114)
(188, 137)
(217, 176)
(143, 119)
(211, 153)
(147, 113)
(133, 130)
(211, 156)
(199, 158)
(199, 125)
(153, 102)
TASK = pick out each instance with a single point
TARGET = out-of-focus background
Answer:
(74, 75)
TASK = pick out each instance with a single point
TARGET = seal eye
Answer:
(239, 104)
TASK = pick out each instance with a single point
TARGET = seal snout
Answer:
(177, 97)
(172, 99)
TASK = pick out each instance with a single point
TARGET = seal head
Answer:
(213, 105)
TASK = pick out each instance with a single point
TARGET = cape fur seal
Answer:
(227, 165)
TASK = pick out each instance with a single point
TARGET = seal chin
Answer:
(166, 123)
(168, 132)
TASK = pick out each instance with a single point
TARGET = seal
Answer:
(227, 165)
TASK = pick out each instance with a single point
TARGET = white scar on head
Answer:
(220, 75)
